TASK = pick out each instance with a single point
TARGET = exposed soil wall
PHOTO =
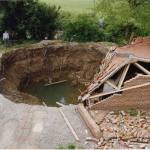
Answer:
(48, 60)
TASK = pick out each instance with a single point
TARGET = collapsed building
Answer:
(123, 80)
(122, 83)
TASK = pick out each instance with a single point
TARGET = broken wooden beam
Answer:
(109, 75)
(94, 128)
(112, 84)
(69, 125)
(55, 82)
(142, 68)
(92, 139)
(44, 104)
(113, 92)
(123, 76)
(60, 104)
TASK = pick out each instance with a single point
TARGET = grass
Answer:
(10, 47)
(133, 112)
(73, 6)
(70, 146)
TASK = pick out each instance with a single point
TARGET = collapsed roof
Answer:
(120, 66)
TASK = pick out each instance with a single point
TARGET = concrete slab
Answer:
(25, 126)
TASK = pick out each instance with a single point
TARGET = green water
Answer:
(62, 92)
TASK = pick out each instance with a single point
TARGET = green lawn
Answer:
(77, 6)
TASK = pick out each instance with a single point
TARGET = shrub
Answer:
(82, 28)
(120, 33)
(71, 146)
(123, 17)
(133, 112)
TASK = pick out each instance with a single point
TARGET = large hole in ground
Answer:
(28, 70)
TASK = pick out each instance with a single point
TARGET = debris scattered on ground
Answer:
(125, 130)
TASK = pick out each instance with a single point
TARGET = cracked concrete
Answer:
(26, 126)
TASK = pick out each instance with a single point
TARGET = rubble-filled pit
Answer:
(48, 62)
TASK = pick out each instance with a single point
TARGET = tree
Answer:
(17, 16)
(83, 28)
(44, 21)
(30, 16)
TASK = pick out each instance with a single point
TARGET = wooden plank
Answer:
(69, 125)
(44, 104)
(142, 68)
(111, 84)
(60, 104)
(141, 59)
(113, 92)
(92, 139)
(123, 76)
(55, 82)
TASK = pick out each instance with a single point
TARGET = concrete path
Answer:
(25, 126)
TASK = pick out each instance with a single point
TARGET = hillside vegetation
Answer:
(117, 21)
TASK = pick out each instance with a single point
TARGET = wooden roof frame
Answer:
(127, 63)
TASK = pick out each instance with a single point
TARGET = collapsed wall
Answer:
(48, 61)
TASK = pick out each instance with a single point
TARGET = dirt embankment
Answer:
(48, 61)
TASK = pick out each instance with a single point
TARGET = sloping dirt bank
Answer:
(48, 61)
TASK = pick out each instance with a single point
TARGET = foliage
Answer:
(120, 33)
(82, 28)
(135, 3)
(44, 21)
(63, 18)
(122, 20)
(124, 17)
(71, 146)
(22, 17)
(133, 112)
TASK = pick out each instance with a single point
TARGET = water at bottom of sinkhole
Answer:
(63, 92)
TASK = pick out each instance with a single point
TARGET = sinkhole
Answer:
(27, 70)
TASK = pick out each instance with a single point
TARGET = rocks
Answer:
(109, 135)
(115, 121)
(100, 142)
(124, 131)
(123, 113)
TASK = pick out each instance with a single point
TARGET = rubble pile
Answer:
(125, 129)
